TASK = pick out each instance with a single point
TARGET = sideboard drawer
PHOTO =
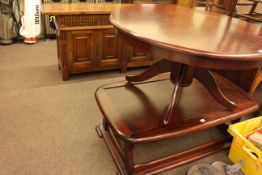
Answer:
(83, 20)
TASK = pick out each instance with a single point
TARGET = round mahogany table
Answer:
(190, 44)
(198, 40)
(192, 37)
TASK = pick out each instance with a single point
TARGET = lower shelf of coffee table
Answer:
(135, 111)
(166, 163)
(133, 115)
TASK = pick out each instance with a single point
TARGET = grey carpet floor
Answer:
(47, 126)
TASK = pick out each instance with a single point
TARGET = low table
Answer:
(191, 43)
(134, 113)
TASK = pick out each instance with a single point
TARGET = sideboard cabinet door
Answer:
(110, 49)
(82, 50)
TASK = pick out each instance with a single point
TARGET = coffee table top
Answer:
(193, 32)
(136, 111)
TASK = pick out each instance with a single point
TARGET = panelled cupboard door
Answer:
(83, 51)
(110, 48)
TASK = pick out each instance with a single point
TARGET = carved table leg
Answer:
(180, 77)
(206, 77)
(175, 97)
(159, 67)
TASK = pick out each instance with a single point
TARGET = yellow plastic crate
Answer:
(243, 149)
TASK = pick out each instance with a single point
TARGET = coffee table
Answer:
(191, 44)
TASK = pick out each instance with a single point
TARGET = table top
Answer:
(193, 32)
(81, 8)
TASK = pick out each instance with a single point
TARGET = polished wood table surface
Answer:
(215, 38)
(191, 43)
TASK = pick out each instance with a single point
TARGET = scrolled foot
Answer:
(157, 68)
(206, 78)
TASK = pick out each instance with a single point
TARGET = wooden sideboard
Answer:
(86, 41)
